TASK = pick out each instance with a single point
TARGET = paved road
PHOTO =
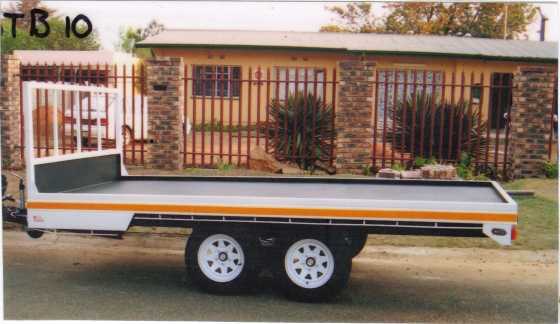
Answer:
(68, 277)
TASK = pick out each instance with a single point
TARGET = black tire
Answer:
(332, 287)
(34, 234)
(358, 241)
(239, 284)
(4, 185)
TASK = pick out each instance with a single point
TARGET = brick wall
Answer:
(533, 95)
(165, 101)
(353, 115)
(10, 112)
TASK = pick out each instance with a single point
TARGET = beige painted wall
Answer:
(269, 59)
(248, 61)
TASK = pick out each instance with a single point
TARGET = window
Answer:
(425, 81)
(500, 99)
(56, 73)
(287, 78)
(476, 93)
(39, 73)
(217, 80)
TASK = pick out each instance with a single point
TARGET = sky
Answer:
(108, 16)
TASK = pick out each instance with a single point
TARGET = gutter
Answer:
(255, 47)
(468, 56)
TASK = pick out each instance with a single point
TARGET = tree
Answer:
(353, 17)
(153, 28)
(56, 40)
(332, 28)
(129, 36)
(484, 20)
(25, 6)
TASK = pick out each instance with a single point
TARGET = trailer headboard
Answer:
(77, 173)
(73, 136)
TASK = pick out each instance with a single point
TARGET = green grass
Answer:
(544, 188)
(537, 228)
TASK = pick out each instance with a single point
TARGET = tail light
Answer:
(513, 233)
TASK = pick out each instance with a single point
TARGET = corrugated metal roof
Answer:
(381, 43)
(64, 57)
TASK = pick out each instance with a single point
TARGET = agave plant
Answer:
(456, 124)
(301, 130)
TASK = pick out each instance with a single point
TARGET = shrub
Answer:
(464, 168)
(398, 167)
(551, 170)
(453, 116)
(420, 161)
(468, 171)
(223, 166)
(293, 142)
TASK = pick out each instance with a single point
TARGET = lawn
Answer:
(537, 228)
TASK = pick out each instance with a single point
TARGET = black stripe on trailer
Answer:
(372, 227)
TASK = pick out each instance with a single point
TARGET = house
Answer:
(292, 59)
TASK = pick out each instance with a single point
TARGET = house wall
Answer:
(472, 69)
(269, 59)
(246, 59)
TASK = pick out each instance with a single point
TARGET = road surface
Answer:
(142, 278)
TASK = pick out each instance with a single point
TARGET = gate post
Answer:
(353, 120)
(10, 117)
(165, 101)
(533, 97)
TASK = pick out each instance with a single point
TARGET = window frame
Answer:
(278, 74)
(233, 92)
(408, 74)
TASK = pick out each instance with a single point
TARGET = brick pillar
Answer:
(533, 96)
(10, 112)
(353, 119)
(165, 101)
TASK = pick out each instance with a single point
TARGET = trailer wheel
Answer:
(314, 269)
(220, 262)
(34, 234)
(357, 243)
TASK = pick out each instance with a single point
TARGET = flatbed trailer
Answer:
(307, 229)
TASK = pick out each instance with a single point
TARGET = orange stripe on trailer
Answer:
(279, 211)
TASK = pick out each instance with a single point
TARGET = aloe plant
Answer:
(450, 120)
(301, 130)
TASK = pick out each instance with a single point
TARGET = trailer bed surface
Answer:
(382, 190)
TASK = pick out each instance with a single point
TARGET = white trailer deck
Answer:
(316, 223)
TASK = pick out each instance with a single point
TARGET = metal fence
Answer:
(448, 117)
(229, 112)
(445, 117)
(84, 109)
